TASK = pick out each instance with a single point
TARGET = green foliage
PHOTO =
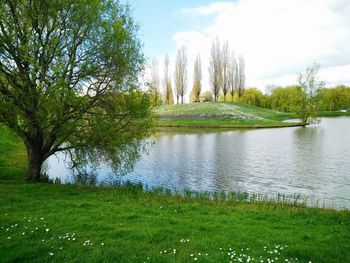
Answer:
(328, 99)
(306, 99)
(68, 80)
(292, 99)
(206, 96)
(117, 131)
(334, 99)
(304, 108)
(228, 98)
(154, 95)
(283, 99)
(255, 97)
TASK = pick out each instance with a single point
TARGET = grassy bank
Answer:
(12, 155)
(67, 223)
(220, 115)
(333, 113)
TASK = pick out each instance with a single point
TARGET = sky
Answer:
(278, 38)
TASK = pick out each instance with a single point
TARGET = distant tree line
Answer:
(304, 99)
(285, 98)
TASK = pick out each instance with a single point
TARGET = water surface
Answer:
(312, 161)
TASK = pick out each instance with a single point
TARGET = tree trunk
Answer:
(34, 163)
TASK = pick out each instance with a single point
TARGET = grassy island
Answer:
(220, 115)
(42, 222)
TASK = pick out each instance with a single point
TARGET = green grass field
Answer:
(220, 115)
(333, 113)
(12, 155)
(41, 222)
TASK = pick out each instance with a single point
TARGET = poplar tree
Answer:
(215, 68)
(197, 78)
(181, 74)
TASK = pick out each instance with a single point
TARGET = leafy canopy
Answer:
(68, 80)
(306, 100)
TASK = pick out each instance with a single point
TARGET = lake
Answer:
(312, 161)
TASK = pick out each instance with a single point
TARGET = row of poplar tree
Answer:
(226, 75)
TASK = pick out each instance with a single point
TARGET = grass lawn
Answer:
(12, 155)
(67, 223)
(220, 115)
(222, 123)
(332, 113)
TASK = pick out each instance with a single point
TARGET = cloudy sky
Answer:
(278, 38)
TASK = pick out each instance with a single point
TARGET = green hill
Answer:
(220, 115)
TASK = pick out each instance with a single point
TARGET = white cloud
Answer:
(207, 10)
(278, 38)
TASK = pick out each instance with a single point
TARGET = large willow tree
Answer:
(68, 81)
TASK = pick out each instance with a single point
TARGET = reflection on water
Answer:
(312, 161)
